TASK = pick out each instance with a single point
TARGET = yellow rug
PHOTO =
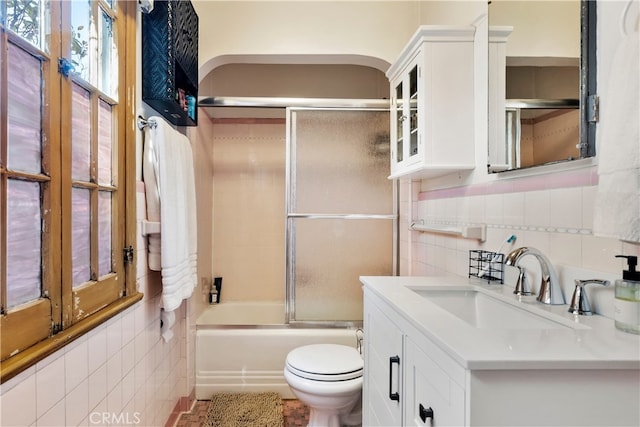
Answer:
(245, 410)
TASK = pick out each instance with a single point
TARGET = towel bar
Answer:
(143, 123)
(478, 232)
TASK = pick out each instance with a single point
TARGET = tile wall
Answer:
(551, 212)
(120, 373)
(248, 157)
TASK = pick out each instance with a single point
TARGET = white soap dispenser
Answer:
(627, 302)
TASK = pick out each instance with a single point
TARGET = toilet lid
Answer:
(325, 362)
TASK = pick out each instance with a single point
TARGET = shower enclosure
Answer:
(341, 216)
(320, 179)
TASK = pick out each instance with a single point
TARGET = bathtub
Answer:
(242, 346)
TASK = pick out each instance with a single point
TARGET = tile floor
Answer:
(296, 414)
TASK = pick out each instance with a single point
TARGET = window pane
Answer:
(105, 134)
(24, 110)
(106, 57)
(80, 31)
(29, 19)
(80, 134)
(24, 241)
(104, 232)
(81, 239)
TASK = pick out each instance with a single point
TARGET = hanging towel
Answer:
(152, 196)
(617, 208)
(178, 233)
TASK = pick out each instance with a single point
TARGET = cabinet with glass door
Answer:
(432, 103)
(405, 149)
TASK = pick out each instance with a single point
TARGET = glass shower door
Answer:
(340, 211)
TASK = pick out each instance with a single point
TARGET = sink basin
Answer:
(484, 311)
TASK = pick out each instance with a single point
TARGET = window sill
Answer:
(29, 357)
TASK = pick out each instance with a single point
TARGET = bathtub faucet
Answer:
(550, 291)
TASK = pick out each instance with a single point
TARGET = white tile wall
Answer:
(553, 218)
(117, 374)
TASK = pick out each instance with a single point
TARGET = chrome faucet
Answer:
(550, 291)
(579, 302)
(522, 287)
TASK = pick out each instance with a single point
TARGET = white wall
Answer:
(540, 28)
(368, 33)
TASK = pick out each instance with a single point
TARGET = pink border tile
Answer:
(575, 178)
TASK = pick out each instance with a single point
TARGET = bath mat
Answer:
(245, 410)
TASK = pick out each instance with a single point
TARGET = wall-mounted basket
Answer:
(486, 265)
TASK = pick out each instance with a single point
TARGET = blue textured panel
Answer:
(170, 58)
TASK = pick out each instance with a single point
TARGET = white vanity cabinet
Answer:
(424, 368)
(432, 103)
(430, 392)
(406, 384)
(384, 360)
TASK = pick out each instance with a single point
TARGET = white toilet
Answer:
(328, 379)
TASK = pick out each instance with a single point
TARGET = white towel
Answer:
(178, 232)
(152, 196)
(617, 209)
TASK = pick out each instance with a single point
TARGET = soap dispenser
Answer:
(627, 301)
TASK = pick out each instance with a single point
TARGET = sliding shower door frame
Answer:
(291, 216)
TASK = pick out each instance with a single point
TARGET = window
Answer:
(64, 173)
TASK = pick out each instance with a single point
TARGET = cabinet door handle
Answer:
(393, 396)
(425, 413)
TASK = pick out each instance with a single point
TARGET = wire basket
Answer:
(486, 265)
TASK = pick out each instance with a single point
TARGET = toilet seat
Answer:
(325, 362)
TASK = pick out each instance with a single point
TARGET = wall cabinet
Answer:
(499, 156)
(432, 103)
(170, 61)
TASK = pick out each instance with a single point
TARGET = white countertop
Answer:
(588, 342)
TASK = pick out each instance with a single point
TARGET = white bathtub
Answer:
(243, 346)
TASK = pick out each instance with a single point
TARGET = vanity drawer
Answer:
(430, 388)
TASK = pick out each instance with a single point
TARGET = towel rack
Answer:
(143, 123)
(478, 231)
(149, 227)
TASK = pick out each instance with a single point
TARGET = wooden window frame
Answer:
(72, 323)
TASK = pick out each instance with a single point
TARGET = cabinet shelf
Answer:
(419, 171)
(170, 61)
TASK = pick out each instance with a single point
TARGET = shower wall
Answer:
(249, 208)
(249, 166)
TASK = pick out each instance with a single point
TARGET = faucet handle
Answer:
(522, 286)
(579, 302)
